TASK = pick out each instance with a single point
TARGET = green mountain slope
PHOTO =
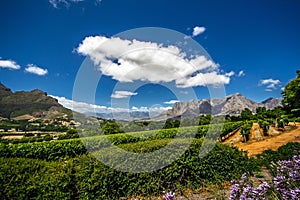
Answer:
(35, 103)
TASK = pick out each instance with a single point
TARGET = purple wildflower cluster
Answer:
(169, 196)
(245, 190)
(287, 181)
(286, 184)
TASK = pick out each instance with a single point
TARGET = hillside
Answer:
(35, 103)
(230, 105)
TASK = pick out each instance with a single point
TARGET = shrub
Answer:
(245, 131)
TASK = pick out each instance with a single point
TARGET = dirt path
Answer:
(273, 143)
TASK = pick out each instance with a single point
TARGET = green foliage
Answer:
(285, 120)
(83, 177)
(111, 127)
(63, 148)
(205, 119)
(170, 123)
(280, 123)
(285, 152)
(70, 134)
(264, 125)
(22, 178)
(245, 131)
(291, 96)
(72, 131)
(246, 114)
(230, 126)
(55, 150)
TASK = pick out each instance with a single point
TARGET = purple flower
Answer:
(169, 196)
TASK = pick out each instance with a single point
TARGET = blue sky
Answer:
(257, 40)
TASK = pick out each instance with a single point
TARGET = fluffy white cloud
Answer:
(171, 102)
(204, 79)
(31, 68)
(241, 73)
(197, 30)
(271, 84)
(83, 107)
(10, 64)
(131, 60)
(122, 94)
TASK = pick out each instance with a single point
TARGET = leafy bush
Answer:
(264, 125)
(55, 150)
(83, 177)
(246, 130)
(22, 178)
(280, 124)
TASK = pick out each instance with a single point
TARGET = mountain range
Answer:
(37, 103)
(230, 105)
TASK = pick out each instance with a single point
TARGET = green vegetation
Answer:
(84, 177)
(66, 168)
(291, 96)
(285, 152)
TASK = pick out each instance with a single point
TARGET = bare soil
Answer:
(270, 142)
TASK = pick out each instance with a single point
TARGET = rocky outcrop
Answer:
(35, 103)
(230, 105)
(272, 102)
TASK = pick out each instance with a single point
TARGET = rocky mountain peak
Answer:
(231, 105)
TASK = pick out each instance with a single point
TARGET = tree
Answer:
(261, 112)
(205, 119)
(246, 114)
(111, 127)
(291, 94)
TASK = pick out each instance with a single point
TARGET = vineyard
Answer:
(68, 169)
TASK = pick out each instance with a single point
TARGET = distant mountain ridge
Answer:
(230, 105)
(35, 103)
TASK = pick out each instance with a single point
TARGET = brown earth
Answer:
(256, 147)
(23, 117)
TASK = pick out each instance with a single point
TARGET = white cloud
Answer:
(241, 73)
(186, 37)
(122, 94)
(270, 84)
(204, 79)
(83, 107)
(229, 73)
(171, 102)
(31, 68)
(10, 64)
(197, 30)
(132, 60)
(67, 3)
